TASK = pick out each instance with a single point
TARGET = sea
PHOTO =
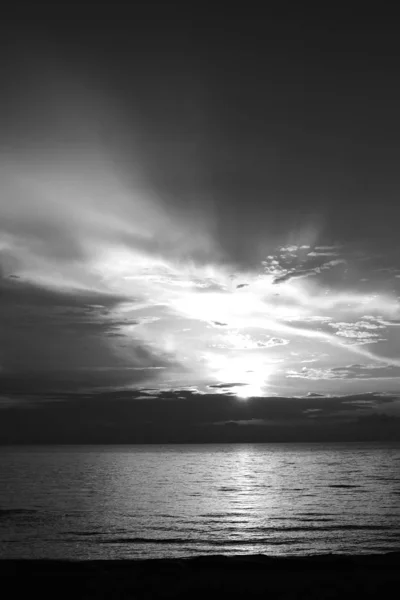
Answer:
(155, 501)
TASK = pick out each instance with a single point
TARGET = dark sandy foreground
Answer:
(329, 576)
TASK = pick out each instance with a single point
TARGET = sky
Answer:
(198, 226)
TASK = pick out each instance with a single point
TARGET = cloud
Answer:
(354, 371)
(335, 248)
(274, 341)
(120, 257)
(316, 254)
(7, 402)
(225, 385)
(236, 340)
(182, 416)
(378, 322)
(246, 422)
(297, 262)
(312, 271)
(63, 330)
(359, 332)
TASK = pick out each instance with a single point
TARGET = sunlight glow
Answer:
(249, 372)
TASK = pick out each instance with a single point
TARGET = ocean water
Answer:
(186, 500)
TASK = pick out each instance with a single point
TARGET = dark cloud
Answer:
(44, 329)
(184, 416)
(225, 385)
(21, 292)
(32, 386)
(45, 235)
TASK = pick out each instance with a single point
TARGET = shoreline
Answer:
(247, 576)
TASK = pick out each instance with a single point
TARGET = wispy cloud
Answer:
(359, 332)
(356, 371)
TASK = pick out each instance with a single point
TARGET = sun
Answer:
(249, 372)
(249, 391)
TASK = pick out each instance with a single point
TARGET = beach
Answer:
(324, 576)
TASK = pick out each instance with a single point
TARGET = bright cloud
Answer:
(100, 270)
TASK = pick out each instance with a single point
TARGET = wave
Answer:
(197, 542)
(7, 512)
(342, 485)
(347, 527)
(224, 514)
(84, 533)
